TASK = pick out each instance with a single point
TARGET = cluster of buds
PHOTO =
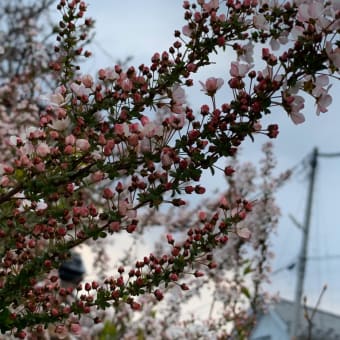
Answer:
(95, 156)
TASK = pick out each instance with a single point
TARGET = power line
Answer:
(325, 257)
(329, 155)
(292, 265)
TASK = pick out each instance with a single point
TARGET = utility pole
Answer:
(304, 247)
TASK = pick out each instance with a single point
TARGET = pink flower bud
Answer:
(83, 144)
(158, 294)
(70, 140)
(114, 227)
(170, 239)
(68, 150)
(136, 306)
(184, 286)
(189, 189)
(43, 150)
(229, 171)
(173, 277)
(107, 193)
(202, 216)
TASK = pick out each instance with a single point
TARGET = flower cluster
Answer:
(98, 150)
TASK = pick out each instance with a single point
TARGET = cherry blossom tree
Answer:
(237, 290)
(86, 158)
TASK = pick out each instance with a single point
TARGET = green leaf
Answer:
(245, 291)
(247, 270)
(5, 321)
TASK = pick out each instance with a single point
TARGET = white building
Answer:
(277, 322)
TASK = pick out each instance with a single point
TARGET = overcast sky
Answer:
(140, 28)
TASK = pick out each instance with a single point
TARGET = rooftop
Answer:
(325, 325)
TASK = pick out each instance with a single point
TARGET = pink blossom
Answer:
(178, 94)
(166, 159)
(274, 44)
(122, 129)
(108, 74)
(244, 233)
(61, 113)
(187, 31)
(211, 5)
(145, 145)
(75, 328)
(70, 140)
(4, 182)
(310, 10)
(177, 121)
(134, 128)
(248, 51)
(125, 209)
(211, 85)
(239, 70)
(43, 150)
(34, 133)
(151, 129)
(60, 124)
(296, 32)
(260, 22)
(83, 144)
(14, 140)
(333, 54)
(61, 331)
(222, 17)
(114, 227)
(296, 106)
(41, 205)
(25, 161)
(224, 203)
(80, 90)
(133, 140)
(313, 11)
(281, 40)
(126, 85)
(97, 176)
(87, 80)
(145, 120)
(319, 83)
(323, 101)
(179, 99)
(56, 99)
(40, 167)
(54, 134)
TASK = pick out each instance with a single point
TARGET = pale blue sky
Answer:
(140, 28)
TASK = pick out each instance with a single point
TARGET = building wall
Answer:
(270, 327)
